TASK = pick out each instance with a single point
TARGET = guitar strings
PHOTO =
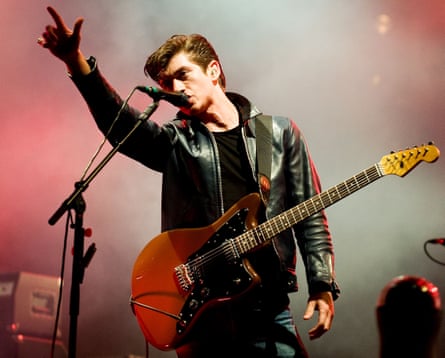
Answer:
(232, 248)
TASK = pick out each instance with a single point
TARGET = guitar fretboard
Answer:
(267, 230)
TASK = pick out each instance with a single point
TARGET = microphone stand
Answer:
(76, 202)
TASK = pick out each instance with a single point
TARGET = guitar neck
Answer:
(269, 229)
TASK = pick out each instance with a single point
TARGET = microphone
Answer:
(438, 241)
(177, 99)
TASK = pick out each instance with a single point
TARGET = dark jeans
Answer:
(247, 331)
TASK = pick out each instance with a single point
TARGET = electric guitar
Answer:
(183, 272)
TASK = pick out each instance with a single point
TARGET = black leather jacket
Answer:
(184, 151)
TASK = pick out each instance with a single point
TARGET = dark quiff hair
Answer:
(196, 46)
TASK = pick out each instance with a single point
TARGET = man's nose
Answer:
(177, 86)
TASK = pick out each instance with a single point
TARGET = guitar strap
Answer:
(264, 153)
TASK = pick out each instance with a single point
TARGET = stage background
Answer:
(360, 78)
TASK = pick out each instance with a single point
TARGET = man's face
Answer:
(182, 75)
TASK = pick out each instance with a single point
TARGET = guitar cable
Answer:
(69, 221)
(438, 241)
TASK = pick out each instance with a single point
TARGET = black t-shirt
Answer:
(237, 180)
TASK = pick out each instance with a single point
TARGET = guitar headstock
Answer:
(402, 162)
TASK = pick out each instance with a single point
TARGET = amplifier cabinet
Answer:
(28, 304)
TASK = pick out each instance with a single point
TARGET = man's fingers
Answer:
(50, 33)
(323, 325)
(77, 27)
(56, 17)
(310, 309)
(317, 331)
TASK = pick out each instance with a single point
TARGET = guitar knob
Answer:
(181, 326)
(205, 292)
(193, 304)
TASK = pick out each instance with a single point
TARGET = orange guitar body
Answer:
(165, 310)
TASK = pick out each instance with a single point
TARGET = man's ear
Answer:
(213, 70)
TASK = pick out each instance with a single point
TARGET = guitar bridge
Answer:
(183, 278)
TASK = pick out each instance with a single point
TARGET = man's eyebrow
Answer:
(180, 69)
(167, 77)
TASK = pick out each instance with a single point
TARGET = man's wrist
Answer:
(78, 65)
(321, 286)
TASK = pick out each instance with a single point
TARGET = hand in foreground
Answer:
(322, 302)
